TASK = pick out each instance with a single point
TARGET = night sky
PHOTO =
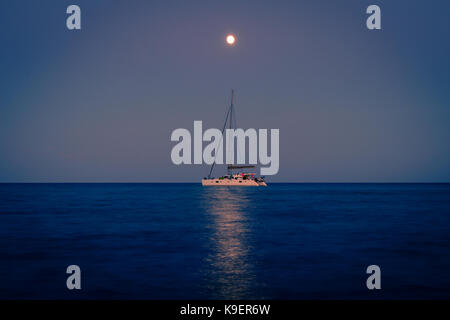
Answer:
(100, 104)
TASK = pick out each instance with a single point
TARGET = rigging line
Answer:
(228, 150)
(235, 127)
(220, 142)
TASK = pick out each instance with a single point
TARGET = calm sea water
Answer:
(183, 241)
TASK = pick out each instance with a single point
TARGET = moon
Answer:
(231, 39)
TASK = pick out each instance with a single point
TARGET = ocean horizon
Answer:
(199, 182)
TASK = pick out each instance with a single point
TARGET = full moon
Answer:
(231, 39)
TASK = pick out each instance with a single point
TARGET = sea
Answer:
(185, 241)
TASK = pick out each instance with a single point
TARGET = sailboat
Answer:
(234, 176)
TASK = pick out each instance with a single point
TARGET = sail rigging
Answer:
(229, 114)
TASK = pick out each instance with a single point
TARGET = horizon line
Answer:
(190, 182)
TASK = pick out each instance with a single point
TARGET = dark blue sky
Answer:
(99, 104)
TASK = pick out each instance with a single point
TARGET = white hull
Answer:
(232, 182)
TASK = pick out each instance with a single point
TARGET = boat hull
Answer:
(232, 182)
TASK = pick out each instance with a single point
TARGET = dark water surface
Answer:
(184, 241)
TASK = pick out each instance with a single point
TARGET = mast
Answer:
(231, 108)
(229, 113)
(231, 124)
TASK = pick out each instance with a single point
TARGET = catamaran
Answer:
(233, 178)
